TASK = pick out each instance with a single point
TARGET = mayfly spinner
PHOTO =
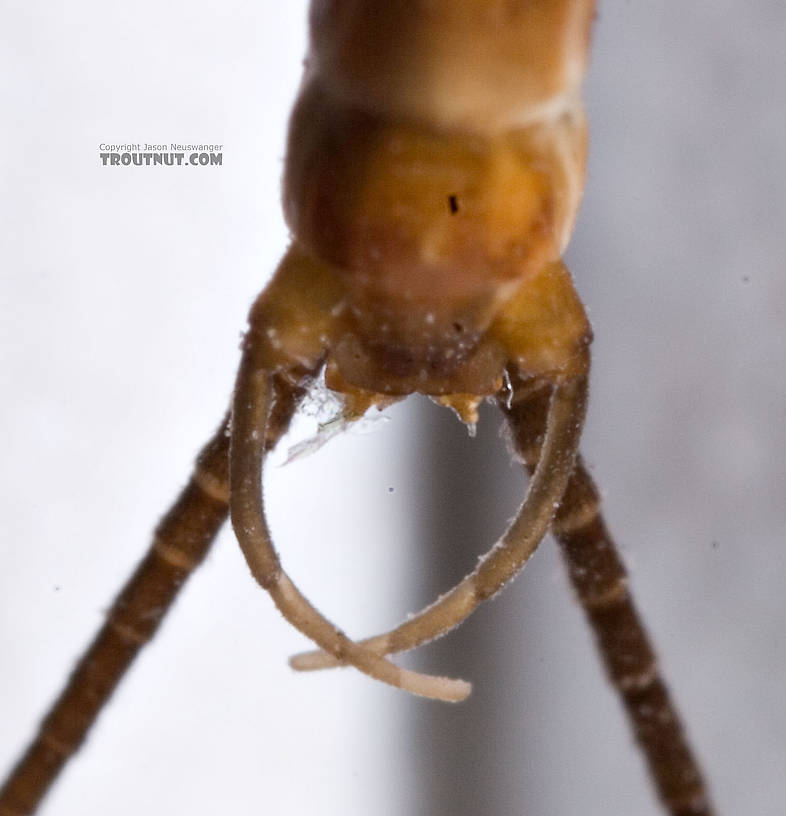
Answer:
(434, 170)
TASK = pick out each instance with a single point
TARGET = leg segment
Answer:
(253, 400)
(180, 543)
(600, 582)
(565, 418)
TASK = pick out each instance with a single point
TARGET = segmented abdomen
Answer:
(436, 155)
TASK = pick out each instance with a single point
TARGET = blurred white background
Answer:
(122, 295)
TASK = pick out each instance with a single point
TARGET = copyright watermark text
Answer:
(171, 155)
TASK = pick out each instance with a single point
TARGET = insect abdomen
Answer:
(436, 160)
(474, 65)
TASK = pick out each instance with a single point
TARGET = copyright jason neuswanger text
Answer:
(142, 154)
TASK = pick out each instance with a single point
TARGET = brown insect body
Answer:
(433, 174)
(434, 216)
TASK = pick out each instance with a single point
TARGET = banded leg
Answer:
(180, 543)
(566, 409)
(599, 579)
